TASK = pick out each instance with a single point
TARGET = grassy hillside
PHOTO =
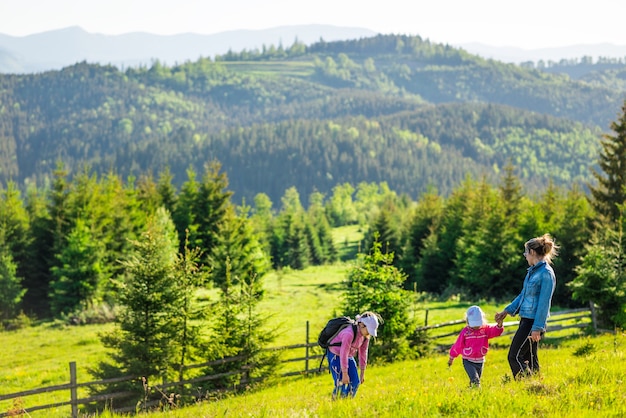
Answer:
(39, 356)
(581, 377)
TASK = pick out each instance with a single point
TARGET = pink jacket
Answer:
(348, 348)
(473, 344)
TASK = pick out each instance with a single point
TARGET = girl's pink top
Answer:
(348, 348)
(473, 344)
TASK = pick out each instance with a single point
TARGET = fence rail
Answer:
(558, 321)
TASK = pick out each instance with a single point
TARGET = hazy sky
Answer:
(525, 24)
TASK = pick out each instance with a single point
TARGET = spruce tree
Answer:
(290, 246)
(167, 191)
(189, 278)
(14, 220)
(48, 213)
(239, 245)
(487, 251)
(375, 284)
(184, 215)
(600, 275)
(11, 290)
(262, 219)
(145, 341)
(423, 221)
(318, 231)
(78, 277)
(297, 251)
(573, 234)
(209, 208)
(239, 331)
(602, 278)
(609, 192)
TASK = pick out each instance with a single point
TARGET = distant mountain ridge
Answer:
(519, 55)
(54, 50)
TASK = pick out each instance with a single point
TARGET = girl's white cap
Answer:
(371, 323)
(475, 316)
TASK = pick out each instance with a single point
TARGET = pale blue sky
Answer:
(528, 24)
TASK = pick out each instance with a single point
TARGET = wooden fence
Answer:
(558, 321)
(311, 352)
(577, 318)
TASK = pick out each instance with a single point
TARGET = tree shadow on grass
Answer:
(331, 286)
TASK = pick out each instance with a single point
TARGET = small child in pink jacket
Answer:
(472, 343)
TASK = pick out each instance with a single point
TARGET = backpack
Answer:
(330, 331)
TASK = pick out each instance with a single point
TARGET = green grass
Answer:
(273, 68)
(295, 297)
(570, 385)
(347, 241)
(39, 356)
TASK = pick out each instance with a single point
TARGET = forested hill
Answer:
(388, 108)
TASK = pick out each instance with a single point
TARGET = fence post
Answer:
(593, 316)
(426, 319)
(73, 394)
(306, 352)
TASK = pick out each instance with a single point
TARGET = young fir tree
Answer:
(184, 216)
(262, 219)
(14, 220)
(319, 231)
(602, 278)
(48, 226)
(290, 246)
(11, 290)
(189, 278)
(239, 245)
(488, 250)
(573, 234)
(209, 208)
(374, 284)
(167, 191)
(423, 220)
(297, 250)
(148, 195)
(78, 277)
(609, 191)
(145, 342)
(241, 333)
(119, 222)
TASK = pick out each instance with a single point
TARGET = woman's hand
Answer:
(535, 336)
(500, 316)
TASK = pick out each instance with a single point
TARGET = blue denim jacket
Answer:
(536, 297)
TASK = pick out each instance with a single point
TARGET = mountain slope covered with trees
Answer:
(388, 108)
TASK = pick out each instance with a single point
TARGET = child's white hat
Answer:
(371, 322)
(475, 316)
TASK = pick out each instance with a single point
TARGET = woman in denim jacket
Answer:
(532, 305)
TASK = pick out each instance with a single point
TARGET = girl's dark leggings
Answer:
(523, 352)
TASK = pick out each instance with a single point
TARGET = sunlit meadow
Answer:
(581, 376)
